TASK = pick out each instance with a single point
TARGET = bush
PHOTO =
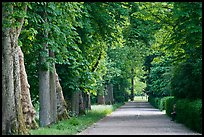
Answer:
(170, 101)
(189, 112)
(154, 101)
(162, 103)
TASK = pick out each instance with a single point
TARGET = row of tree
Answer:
(175, 67)
(78, 53)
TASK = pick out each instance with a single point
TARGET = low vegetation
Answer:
(75, 125)
(188, 111)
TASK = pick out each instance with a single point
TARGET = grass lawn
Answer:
(140, 98)
(76, 124)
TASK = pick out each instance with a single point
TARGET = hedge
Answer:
(189, 112)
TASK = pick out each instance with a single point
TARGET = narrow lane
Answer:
(137, 118)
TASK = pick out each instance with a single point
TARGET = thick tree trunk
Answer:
(81, 103)
(28, 109)
(44, 81)
(101, 99)
(44, 88)
(8, 102)
(12, 114)
(100, 96)
(75, 103)
(20, 121)
(109, 95)
(61, 103)
(53, 95)
(87, 101)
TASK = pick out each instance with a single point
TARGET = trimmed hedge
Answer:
(188, 112)
(170, 101)
(154, 101)
(160, 103)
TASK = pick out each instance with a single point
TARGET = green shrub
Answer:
(190, 113)
(162, 103)
(154, 101)
(170, 101)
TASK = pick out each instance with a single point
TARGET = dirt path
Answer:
(137, 118)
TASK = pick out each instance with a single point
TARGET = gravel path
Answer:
(137, 118)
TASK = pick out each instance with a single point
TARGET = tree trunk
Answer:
(75, 103)
(53, 95)
(109, 95)
(44, 81)
(61, 103)
(20, 123)
(27, 106)
(89, 100)
(8, 102)
(44, 89)
(100, 96)
(132, 82)
(81, 103)
(12, 114)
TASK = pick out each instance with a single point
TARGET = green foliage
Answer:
(99, 43)
(170, 101)
(154, 101)
(176, 67)
(163, 103)
(190, 113)
(159, 80)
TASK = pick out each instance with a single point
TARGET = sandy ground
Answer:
(137, 118)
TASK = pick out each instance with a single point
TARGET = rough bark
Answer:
(101, 99)
(53, 95)
(87, 101)
(100, 96)
(75, 103)
(109, 94)
(20, 121)
(28, 109)
(12, 114)
(61, 103)
(8, 102)
(81, 103)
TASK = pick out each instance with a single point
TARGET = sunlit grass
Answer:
(76, 124)
(140, 98)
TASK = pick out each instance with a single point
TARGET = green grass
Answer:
(140, 98)
(76, 124)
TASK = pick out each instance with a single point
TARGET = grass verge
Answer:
(75, 125)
